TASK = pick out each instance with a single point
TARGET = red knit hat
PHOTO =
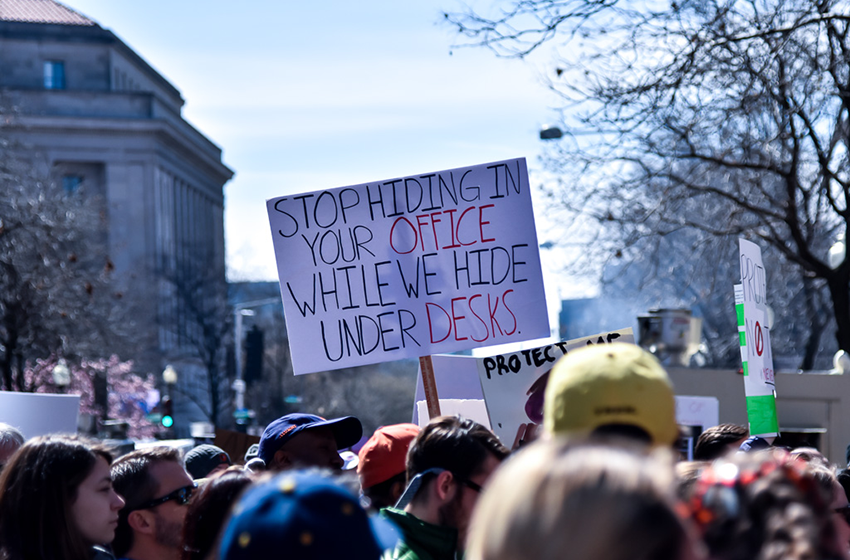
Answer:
(384, 455)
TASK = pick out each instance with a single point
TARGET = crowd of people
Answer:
(603, 481)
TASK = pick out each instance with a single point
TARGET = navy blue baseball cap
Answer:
(347, 431)
(304, 515)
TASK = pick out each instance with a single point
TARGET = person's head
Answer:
(719, 440)
(207, 512)
(207, 461)
(609, 390)
(305, 440)
(810, 455)
(57, 500)
(832, 488)
(11, 439)
(448, 464)
(157, 488)
(766, 506)
(303, 515)
(596, 501)
(383, 463)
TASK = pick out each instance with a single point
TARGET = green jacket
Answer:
(420, 540)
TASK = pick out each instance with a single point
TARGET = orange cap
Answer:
(384, 455)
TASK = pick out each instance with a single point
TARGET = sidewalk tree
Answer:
(56, 293)
(727, 118)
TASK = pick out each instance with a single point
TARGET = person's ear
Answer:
(396, 490)
(141, 522)
(445, 486)
(281, 460)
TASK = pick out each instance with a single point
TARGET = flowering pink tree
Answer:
(129, 394)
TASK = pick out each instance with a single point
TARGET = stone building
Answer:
(97, 114)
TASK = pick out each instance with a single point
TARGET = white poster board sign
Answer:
(514, 384)
(474, 409)
(754, 336)
(37, 414)
(409, 267)
(703, 412)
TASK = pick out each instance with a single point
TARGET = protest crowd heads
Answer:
(606, 386)
(596, 502)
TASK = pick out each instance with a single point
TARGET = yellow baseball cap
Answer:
(605, 384)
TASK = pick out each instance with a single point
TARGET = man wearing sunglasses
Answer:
(449, 462)
(156, 489)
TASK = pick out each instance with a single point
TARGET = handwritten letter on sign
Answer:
(437, 262)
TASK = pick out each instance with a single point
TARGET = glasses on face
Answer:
(844, 512)
(471, 485)
(181, 496)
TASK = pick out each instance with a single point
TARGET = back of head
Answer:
(456, 444)
(11, 439)
(204, 459)
(765, 506)
(718, 441)
(598, 502)
(132, 480)
(382, 463)
(303, 515)
(37, 489)
(208, 511)
(610, 388)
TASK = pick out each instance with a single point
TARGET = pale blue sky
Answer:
(310, 95)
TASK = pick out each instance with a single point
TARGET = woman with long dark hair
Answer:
(57, 501)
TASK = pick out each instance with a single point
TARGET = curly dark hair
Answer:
(763, 506)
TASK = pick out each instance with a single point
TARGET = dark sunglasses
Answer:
(844, 512)
(181, 496)
(471, 485)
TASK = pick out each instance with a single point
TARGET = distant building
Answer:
(99, 116)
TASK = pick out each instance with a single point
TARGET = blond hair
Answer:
(556, 501)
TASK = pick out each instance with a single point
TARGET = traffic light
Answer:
(167, 409)
(253, 355)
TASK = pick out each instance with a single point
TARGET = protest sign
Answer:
(409, 267)
(514, 384)
(754, 337)
(474, 409)
(38, 414)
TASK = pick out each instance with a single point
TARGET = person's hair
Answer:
(458, 445)
(38, 487)
(714, 441)
(765, 506)
(843, 477)
(687, 474)
(810, 455)
(10, 435)
(599, 502)
(208, 511)
(380, 495)
(132, 480)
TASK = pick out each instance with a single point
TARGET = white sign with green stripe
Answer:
(754, 337)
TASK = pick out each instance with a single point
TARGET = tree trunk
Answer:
(838, 291)
(817, 326)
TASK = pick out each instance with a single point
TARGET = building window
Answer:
(54, 74)
(71, 183)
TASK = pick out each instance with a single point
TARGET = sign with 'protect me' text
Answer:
(408, 267)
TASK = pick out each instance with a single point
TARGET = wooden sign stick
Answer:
(430, 386)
